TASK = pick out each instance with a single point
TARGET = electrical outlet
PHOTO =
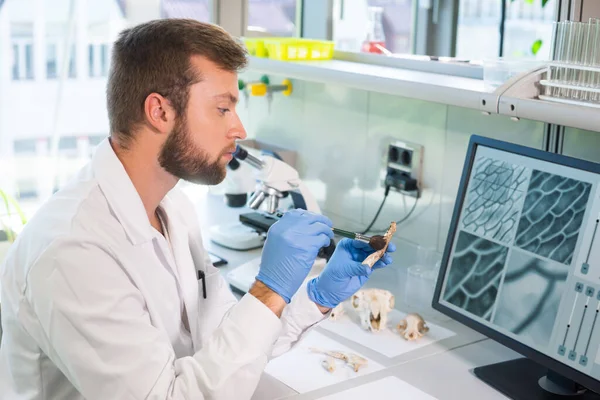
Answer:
(404, 168)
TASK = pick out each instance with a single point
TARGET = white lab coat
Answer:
(92, 301)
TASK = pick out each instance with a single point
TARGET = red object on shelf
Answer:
(373, 47)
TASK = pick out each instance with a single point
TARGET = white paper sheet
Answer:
(301, 369)
(388, 341)
(389, 388)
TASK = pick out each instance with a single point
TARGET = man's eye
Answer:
(222, 111)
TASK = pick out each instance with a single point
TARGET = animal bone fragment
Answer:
(328, 364)
(373, 306)
(413, 327)
(353, 360)
(374, 257)
(337, 312)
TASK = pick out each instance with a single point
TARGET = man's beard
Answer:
(180, 157)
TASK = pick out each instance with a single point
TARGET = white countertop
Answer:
(441, 369)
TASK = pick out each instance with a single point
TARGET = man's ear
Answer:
(159, 114)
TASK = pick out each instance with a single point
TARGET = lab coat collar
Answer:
(121, 195)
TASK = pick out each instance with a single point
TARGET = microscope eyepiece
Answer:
(243, 155)
(234, 164)
(240, 153)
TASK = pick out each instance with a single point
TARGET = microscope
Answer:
(275, 181)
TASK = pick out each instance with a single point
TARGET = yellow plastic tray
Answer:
(290, 49)
(256, 47)
(294, 49)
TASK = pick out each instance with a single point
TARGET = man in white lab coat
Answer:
(100, 293)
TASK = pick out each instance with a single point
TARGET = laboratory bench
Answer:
(442, 369)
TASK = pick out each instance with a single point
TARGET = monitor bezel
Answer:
(533, 354)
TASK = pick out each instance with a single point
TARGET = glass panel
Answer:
(51, 61)
(582, 144)
(91, 60)
(104, 59)
(200, 10)
(29, 61)
(72, 64)
(272, 17)
(374, 26)
(526, 23)
(15, 61)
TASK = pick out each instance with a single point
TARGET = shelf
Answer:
(516, 98)
(438, 88)
(572, 115)
(519, 98)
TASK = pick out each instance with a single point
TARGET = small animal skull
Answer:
(412, 327)
(373, 306)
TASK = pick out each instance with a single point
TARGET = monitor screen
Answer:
(522, 258)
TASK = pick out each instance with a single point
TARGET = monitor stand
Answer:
(524, 379)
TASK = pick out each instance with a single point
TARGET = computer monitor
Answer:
(522, 266)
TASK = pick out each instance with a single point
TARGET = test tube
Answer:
(560, 56)
(580, 47)
(594, 76)
(552, 71)
(587, 51)
(568, 57)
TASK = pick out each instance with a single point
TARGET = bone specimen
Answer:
(337, 312)
(328, 364)
(412, 327)
(373, 306)
(374, 257)
(353, 360)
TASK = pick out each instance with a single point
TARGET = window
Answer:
(22, 59)
(374, 26)
(526, 23)
(97, 60)
(15, 62)
(85, 55)
(424, 27)
(200, 10)
(272, 17)
(51, 61)
(91, 60)
(104, 60)
(72, 62)
(29, 61)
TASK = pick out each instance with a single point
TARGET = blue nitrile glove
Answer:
(290, 250)
(345, 274)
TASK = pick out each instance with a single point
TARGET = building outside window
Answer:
(272, 17)
(51, 61)
(22, 59)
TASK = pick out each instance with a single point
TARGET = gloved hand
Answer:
(290, 250)
(344, 274)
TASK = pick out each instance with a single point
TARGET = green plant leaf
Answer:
(7, 229)
(529, 1)
(544, 3)
(535, 47)
(8, 200)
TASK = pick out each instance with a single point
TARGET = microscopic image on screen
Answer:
(529, 297)
(494, 199)
(474, 275)
(552, 215)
